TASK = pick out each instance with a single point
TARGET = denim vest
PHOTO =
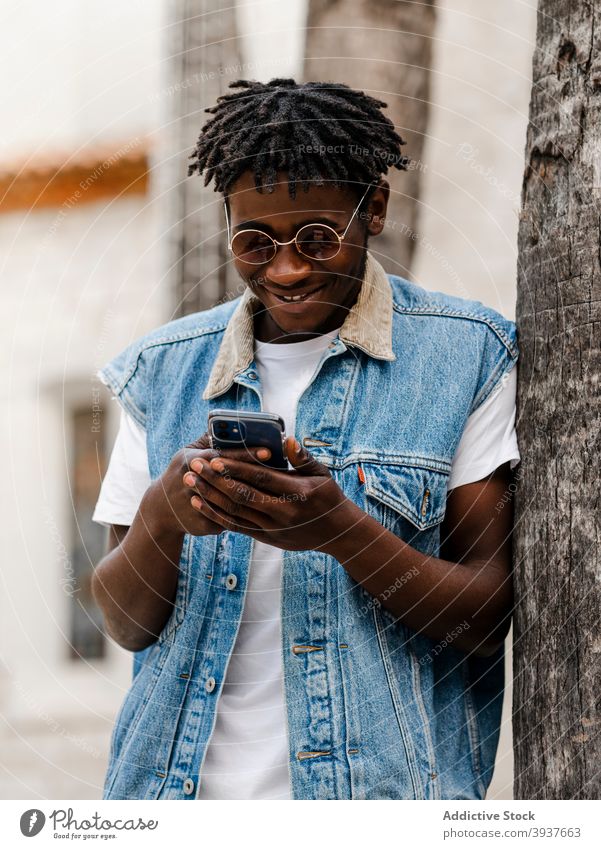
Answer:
(374, 710)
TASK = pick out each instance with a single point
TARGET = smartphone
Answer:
(244, 429)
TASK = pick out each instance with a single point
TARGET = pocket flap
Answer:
(417, 493)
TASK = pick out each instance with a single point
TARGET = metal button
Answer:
(188, 786)
(210, 684)
(253, 375)
(231, 581)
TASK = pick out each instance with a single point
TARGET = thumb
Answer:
(303, 460)
(202, 442)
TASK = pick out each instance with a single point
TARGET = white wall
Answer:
(272, 38)
(81, 72)
(474, 153)
(69, 304)
(77, 284)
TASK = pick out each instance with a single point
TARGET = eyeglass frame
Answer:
(276, 243)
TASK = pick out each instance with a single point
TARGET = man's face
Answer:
(332, 285)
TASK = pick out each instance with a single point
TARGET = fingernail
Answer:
(263, 453)
(197, 466)
(195, 502)
(217, 465)
(297, 446)
(189, 479)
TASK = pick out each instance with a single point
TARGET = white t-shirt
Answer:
(247, 755)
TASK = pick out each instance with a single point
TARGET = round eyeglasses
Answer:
(314, 241)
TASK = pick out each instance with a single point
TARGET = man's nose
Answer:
(287, 266)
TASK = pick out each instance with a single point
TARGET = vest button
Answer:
(252, 375)
(188, 787)
(231, 581)
(210, 684)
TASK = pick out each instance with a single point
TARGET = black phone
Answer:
(245, 429)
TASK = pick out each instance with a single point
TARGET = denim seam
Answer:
(501, 368)
(150, 687)
(157, 342)
(179, 612)
(432, 464)
(473, 733)
(167, 764)
(417, 688)
(218, 605)
(398, 707)
(107, 378)
(347, 715)
(443, 312)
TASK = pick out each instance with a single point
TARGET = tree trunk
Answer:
(382, 47)
(203, 59)
(557, 642)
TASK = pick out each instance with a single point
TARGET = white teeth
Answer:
(294, 297)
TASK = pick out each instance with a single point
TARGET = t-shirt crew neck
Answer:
(279, 350)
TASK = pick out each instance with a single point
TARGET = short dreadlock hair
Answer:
(287, 126)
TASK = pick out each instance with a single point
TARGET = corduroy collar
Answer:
(368, 326)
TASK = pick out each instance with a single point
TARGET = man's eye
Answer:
(252, 246)
(318, 242)
(318, 234)
(258, 240)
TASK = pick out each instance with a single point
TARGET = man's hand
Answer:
(297, 510)
(166, 504)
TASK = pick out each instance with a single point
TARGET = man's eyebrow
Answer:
(260, 225)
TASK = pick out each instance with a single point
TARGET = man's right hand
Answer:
(166, 507)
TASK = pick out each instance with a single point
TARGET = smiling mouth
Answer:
(290, 299)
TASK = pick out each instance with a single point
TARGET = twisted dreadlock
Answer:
(285, 126)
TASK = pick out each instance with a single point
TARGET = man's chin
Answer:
(295, 324)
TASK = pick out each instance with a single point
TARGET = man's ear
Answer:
(376, 209)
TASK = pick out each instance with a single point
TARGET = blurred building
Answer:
(81, 276)
(88, 212)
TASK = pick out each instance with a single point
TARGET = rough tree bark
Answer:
(383, 47)
(204, 59)
(557, 642)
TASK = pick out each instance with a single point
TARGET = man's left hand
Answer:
(296, 510)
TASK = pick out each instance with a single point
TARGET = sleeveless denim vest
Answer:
(374, 710)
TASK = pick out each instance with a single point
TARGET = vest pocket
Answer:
(408, 500)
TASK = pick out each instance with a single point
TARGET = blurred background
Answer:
(104, 237)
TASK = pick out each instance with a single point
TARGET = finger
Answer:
(190, 480)
(225, 520)
(244, 452)
(302, 460)
(235, 502)
(210, 526)
(248, 453)
(255, 483)
(255, 455)
(202, 442)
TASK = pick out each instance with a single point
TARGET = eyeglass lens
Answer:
(315, 241)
